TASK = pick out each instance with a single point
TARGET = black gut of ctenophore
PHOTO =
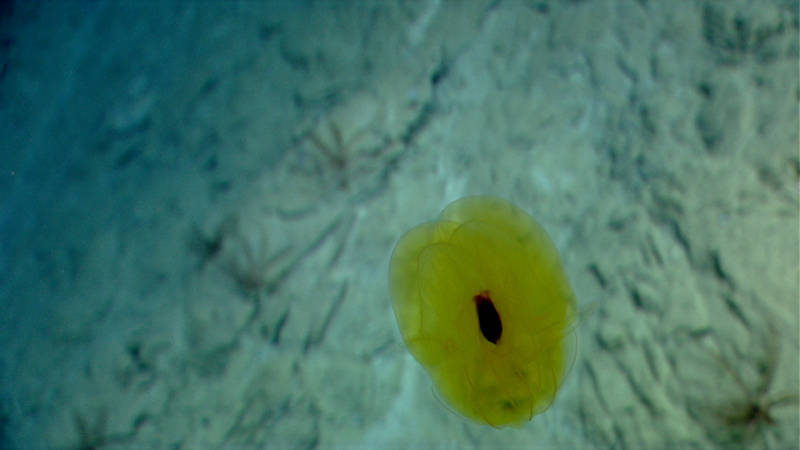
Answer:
(488, 318)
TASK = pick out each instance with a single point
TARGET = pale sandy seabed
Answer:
(198, 201)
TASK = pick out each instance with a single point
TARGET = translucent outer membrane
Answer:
(485, 244)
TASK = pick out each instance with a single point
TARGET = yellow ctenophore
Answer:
(484, 304)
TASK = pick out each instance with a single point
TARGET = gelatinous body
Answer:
(484, 304)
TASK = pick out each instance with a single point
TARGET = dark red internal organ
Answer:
(488, 318)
